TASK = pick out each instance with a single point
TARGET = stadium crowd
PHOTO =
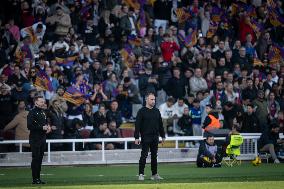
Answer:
(211, 63)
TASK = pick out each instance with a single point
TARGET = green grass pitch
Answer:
(184, 175)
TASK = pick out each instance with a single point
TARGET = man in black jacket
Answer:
(208, 154)
(176, 85)
(149, 125)
(37, 124)
(250, 123)
(148, 83)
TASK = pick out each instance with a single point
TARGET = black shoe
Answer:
(38, 181)
(42, 182)
(216, 165)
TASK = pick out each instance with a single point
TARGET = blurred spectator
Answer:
(19, 123)
(197, 82)
(270, 142)
(250, 122)
(100, 115)
(167, 113)
(179, 107)
(114, 114)
(176, 85)
(185, 122)
(60, 21)
(261, 110)
(195, 113)
(55, 116)
(101, 131)
(88, 117)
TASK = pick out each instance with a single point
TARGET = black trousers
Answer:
(37, 149)
(153, 146)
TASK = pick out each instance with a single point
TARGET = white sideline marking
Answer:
(47, 174)
(1, 174)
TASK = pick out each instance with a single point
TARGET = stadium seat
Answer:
(233, 150)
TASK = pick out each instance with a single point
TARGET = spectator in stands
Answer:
(148, 82)
(179, 107)
(176, 85)
(132, 97)
(231, 95)
(261, 110)
(54, 84)
(272, 106)
(18, 94)
(110, 86)
(250, 91)
(114, 133)
(114, 114)
(219, 96)
(19, 123)
(97, 72)
(6, 104)
(58, 96)
(208, 154)
(195, 114)
(132, 91)
(88, 117)
(88, 77)
(60, 46)
(60, 21)
(185, 122)
(71, 129)
(168, 47)
(101, 132)
(100, 115)
(36, 32)
(270, 142)
(108, 71)
(55, 116)
(208, 63)
(98, 95)
(167, 113)
(250, 122)
(197, 82)
(16, 77)
(127, 21)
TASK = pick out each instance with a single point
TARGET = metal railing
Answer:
(251, 138)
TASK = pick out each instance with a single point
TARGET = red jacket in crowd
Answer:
(168, 48)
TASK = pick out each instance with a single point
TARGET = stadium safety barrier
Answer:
(249, 146)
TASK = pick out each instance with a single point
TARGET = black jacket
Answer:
(185, 123)
(146, 87)
(36, 120)
(250, 124)
(114, 116)
(149, 124)
(57, 120)
(268, 138)
(248, 93)
(176, 87)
